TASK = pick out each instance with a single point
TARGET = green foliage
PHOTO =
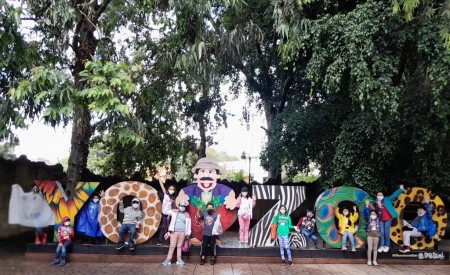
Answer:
(379, 97)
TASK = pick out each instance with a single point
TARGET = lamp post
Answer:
(245, 156)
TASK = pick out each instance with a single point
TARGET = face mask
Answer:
(135, 205)
(66, 223)
(210, 211)
(171, 192)
(95, 200)
(345, 213)
(244, 194)
(373, 217)
(380, 198)
(420, 215)
(182, 208)
(282, 211)
(309, 215)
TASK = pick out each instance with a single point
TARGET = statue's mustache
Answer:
(206, 178)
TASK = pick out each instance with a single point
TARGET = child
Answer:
(373, 230)
(168, 203)
(387, 214)
(307, 226)
(347, 226)
(245, 205)
(131, 221)
(423, 223)
(180, 229)
(87, 222)
(65, 237)
(209, 219)
(283, 221)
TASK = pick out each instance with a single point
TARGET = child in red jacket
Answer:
(65, 237)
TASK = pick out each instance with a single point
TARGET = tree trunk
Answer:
(79, 152)
(84, 45)
(202, 130)
(270, 113)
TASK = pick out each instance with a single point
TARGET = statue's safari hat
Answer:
(207, 163)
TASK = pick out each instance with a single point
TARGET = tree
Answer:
(379, 96)
(75, 37)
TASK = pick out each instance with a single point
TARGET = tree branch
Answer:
(101, 8)
(287, 84)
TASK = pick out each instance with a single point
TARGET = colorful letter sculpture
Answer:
(418, 195)
(289, 196)
(207, 190)
(29, 209)
(325, 207)
(60, 204)
(151, 209)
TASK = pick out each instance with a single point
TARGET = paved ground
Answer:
(14, 265)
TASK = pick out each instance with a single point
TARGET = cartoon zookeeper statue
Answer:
(206, 172)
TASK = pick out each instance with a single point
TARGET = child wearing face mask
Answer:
(168, 204)
(245, 205)
(422, 224)
(387, 214)
(372, 232)
(65, 237)
(180, 229)
(131, 221)
(347, 225)
(284, 223)
(87, 221)
(307, 226)
(208, 239)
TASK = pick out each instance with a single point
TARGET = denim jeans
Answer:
(283, 241)
(385, 233)
(61, 250)
(350, 237)
(308, 235)
(127, 228)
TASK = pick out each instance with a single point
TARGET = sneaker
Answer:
(180, 262)
(167, 262)
(316, 247)
(283, 262)
(380, 249)
(240, 244)
(344, 248)
(55, 262)
(353, 249)
(386, 249)
(202, 261)
(62, 262)
(369, 263)
(131, 248)
(374, 263)
(247, 245)
(120, 246)
(212, 261)
(405, 249)
(159, 243)
(290, 263)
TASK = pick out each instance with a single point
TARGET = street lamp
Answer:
(245, 156)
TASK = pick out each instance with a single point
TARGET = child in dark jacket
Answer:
(307, 226)
(373, 230)
(65, 237)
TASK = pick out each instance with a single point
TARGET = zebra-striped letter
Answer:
(290, 196)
